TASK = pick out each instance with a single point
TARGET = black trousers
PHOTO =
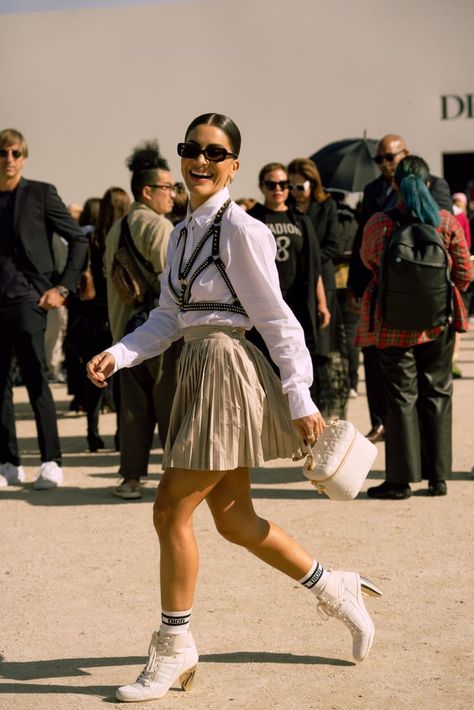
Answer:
(351, 321)
(88, 334)
(418, 423)
(22, 328)
(374, 385)
(146, 397)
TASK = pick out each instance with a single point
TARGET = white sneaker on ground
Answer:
(128, 490)
(353, 393)
(11, 474)
(50, 476)
(342, 598)
(171, 657)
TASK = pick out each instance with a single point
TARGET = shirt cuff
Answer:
(122, 356)
(301, 404)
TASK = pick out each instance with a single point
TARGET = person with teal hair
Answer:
(416, 364)
(412, 177)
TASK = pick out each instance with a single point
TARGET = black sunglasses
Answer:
(388, 157)
(213, 153)
(15, 153)
(273, 184)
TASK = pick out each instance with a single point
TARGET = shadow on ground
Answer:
(70, 667)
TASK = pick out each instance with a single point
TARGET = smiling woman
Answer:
(230, 411)
(209, 156)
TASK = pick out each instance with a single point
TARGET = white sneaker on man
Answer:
(50, 476)
(128, 490)
(171, 657)
(11, 475)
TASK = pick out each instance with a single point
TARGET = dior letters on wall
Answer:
(457, 106)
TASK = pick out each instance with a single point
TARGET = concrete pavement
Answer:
(79, 587)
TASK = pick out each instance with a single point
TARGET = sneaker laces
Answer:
(335, 607)
(160, 646)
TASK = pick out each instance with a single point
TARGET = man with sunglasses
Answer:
(146, 390)
(30, 212)
(381, 196)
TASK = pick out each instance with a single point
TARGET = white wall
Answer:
(85, 86)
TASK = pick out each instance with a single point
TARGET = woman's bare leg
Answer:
(231, 506)
(179, 493)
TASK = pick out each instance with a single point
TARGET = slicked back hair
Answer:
(218, 120)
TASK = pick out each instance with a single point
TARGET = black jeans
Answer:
(418, 424)
(22, 328)
(351, 321)
(374, 385)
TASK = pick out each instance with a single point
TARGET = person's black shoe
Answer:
(95, 442)
(390, 491)
(377, 433)
(437, 488)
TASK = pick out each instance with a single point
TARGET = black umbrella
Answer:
(347, 164)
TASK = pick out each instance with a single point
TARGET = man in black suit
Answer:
(30, 212)
(380, 196)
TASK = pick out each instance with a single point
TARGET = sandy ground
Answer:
(79, 581)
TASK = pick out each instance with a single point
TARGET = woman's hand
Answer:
(310, 428)
(99, 368)
(324, 317)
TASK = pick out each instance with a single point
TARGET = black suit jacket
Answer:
(38, 212)
(379, 198)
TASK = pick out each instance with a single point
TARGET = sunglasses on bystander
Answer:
(300, 186)
(4, 152)
(388, 157)
(273, 184)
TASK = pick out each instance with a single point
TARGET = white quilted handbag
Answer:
(338, 463)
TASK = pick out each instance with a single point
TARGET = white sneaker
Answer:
(353, 393)
(50, 476)
(171, 657)
(342, 598)
(128, 490)
(11, 474)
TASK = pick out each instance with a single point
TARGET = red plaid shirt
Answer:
(378, 229)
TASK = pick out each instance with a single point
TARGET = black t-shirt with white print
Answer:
(289, 244)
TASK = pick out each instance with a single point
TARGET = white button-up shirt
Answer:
(247, 249)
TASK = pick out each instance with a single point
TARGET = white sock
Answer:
(315, 579)
(175, 622)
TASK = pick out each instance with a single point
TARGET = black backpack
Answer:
(415, 279)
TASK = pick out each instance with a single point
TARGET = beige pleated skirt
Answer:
(229, 409)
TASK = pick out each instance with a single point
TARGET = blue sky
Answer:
(7, 6)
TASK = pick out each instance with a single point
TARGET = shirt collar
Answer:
(207, 211)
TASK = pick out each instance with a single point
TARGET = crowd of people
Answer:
(235, 328)
(318, 234)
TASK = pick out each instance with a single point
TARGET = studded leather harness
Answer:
(187, 276)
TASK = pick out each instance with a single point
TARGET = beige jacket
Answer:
(150, 232)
